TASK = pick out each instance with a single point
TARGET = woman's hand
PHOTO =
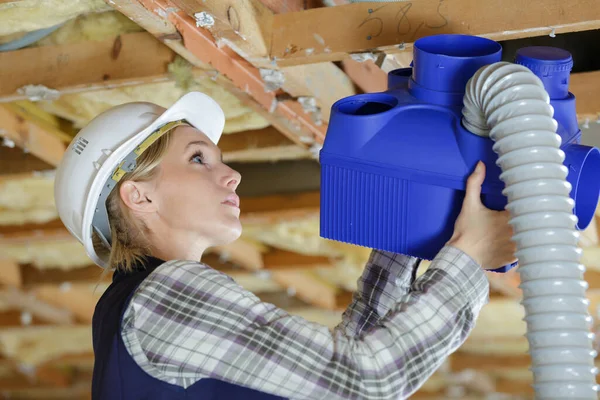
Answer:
(483, 234)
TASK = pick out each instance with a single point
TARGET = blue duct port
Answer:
(394, 164)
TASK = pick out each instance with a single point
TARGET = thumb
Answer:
(474, 185)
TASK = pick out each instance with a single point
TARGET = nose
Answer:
(232, 178)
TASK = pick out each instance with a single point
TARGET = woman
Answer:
(145, 191)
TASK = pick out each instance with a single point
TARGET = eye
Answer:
(197, 157)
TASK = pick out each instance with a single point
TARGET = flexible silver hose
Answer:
(508, 103)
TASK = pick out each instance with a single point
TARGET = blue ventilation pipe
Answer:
(394, 167)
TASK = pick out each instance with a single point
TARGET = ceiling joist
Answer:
(234, 72)
(33, 136)
(126, 60)
(314, 35)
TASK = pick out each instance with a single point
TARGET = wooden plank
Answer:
(25, 301)
(309, 288)
(30, 135)
(277, 259)
(333, 32)
(586, 86)
(78, 299)
(15, 318)
(260, 145)
(460, 361)
(10, 273)
(33, 276)
(281, 202)
(366, 74)
(126, 60)
(15, 163)
(325, 82)
(254, 139)
(242, 253)
(234, 72)
(591, 257)
(245, 27)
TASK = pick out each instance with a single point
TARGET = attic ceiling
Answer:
(90, 55)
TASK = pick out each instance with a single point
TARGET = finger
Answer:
(472, 197)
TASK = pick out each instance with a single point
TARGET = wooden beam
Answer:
(253, 139)
(30, 233)
(259, 145)
(460, 361)
(235, 73)
(242, 253)
(27, 301)
(591, 258)
(33, 277)
(277, 259)
(126, 60)
(366, 74)
(278, 6)
(382, 27)
(586, 86)
(79, 299)
(245, 27)
(30, 135)
(309, 288)
(266, 209)
(15, 163)
(16, 318)
(10, 273)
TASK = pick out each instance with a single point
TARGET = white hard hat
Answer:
(105, 149)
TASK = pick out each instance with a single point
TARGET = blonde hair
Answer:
(129, 235)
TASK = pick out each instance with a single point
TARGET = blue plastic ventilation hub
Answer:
(394, 164)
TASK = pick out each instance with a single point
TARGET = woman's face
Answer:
(194, 191)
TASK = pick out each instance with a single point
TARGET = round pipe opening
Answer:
(404, 72)
(398, 77)
(458, 46)
(445, 63)
(367, 104)
(587, 189)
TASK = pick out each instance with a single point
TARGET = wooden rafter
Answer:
(179, 31)
(259, 144)
(32, 135)
(126, 60)
(314, 35)
(586, 86)
(245, 27)
(366, 74)
(268, 209)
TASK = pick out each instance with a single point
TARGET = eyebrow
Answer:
(201, 143)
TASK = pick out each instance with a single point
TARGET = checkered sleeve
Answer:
(187, 321)
(385, 279)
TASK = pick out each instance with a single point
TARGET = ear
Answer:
(137, 196)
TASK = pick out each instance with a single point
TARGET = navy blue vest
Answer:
(118, 377)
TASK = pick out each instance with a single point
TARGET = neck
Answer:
(177, 246)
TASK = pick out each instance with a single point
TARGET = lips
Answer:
(232, 200)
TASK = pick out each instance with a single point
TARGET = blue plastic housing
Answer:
(394, 164)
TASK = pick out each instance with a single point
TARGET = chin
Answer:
(231, 233)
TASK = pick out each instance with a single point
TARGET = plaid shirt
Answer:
(188, 321)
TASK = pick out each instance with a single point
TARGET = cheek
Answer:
(188, 198)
